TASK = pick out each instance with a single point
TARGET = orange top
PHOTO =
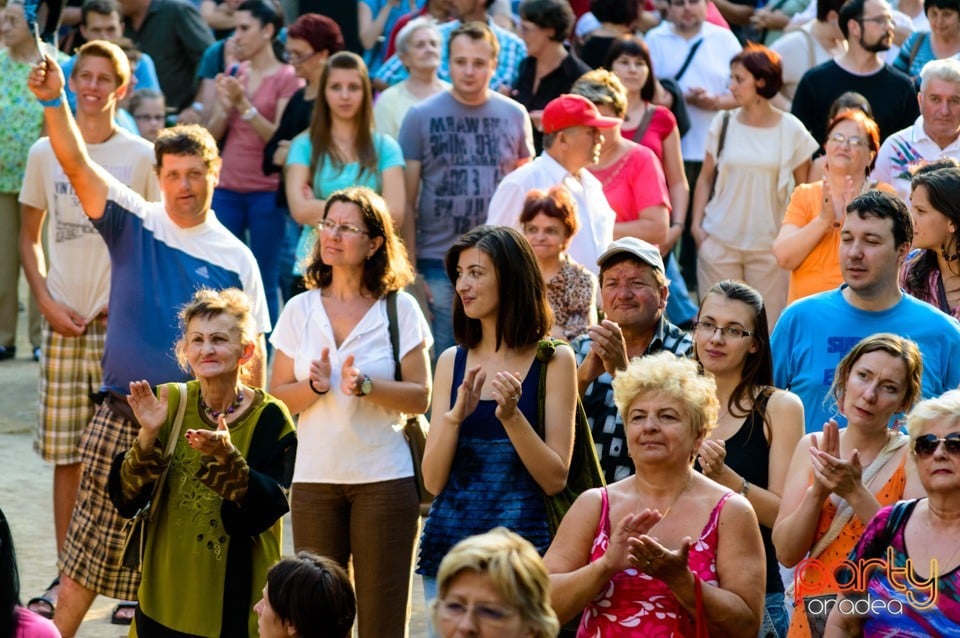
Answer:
(820, 581)
(821, 269)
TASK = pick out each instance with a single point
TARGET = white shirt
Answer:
(346, 439)
(595, 215)
(906, 149)
(709, 69)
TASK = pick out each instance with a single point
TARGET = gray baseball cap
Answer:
(644, 251)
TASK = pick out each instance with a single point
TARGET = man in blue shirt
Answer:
(814, 333)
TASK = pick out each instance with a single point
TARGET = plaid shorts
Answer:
(94, 548)
(69, 371)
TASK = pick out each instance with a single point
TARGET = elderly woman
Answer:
(217, 516)
(918, 535)
(808, 243)
(666, 542)
(550, 69)
(494, 584)
(838, 480)
(549, 221)
(932, 273)
(743, 189)
(631, 175)
(354, 492)
(418, 47)
(306, 596)
(940, 42)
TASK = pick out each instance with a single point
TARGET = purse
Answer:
(416, 426)
(585, 472)
(135, 529)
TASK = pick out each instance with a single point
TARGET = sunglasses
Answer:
(926, 445)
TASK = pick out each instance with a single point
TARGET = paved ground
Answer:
(25, 496)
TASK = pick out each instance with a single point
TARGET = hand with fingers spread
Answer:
(468, 395)
(619, 555)
(712, 456)
(670, 566)
(609, 345)
(507, 389)
(320, 371)
(150, 410)
(212, 443)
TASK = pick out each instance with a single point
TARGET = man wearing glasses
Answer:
(867, 26)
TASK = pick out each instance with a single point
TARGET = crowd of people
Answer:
(723, 239)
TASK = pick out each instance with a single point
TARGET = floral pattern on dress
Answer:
(638, 605)
(21, 120)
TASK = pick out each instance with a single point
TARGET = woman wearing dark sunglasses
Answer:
(923, 531)
(839, 479)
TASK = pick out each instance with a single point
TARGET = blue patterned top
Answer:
(488, 484)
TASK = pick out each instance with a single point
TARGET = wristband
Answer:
(55, 102)
(197, 106)
(316, 390)
(745, 488)
(249, 114)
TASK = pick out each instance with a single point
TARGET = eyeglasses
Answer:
(149, 118)
(484, 613)
(926, 445)
(841, 139)
(878, 19)
(729, 332)
(296, 60)
(333, 228)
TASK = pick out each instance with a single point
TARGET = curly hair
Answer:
(207, 304)
(388, 269)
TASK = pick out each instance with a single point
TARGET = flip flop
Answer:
(123, 613)
(46, 603)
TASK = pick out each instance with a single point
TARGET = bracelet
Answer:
(249, 114)
(55, 102)
(197, 106)
(745, 488)
(316, 390)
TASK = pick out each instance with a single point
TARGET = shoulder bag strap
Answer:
(171, 445)
(915, 49)
(811, 49)
(688, 60)
(394, 333)
(720, 141)
(644, 122)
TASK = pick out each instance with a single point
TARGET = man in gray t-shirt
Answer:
(458, 145)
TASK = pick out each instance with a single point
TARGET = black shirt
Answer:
(552, 85)
(295, 120)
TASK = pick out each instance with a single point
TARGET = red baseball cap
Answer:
(573, 110)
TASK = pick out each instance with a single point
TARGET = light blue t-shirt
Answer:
(374, 56)
(329, 179)
(815, 332)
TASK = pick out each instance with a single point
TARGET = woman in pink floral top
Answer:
(932, 273)
(635, 556)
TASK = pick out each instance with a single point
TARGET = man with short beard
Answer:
(868, 27)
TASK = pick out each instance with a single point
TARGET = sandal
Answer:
(123, 613)
(46, 603)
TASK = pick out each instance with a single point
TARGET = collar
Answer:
(664, 329)
(919, 134)
(555, 169)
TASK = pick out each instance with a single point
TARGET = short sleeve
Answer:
(802, 204)
(802, 144)
(289, 84)
(211, 62)
(651, 187)
(414, 328)
(411, 142)
(713, 133)
(32, 192)
(389, 153)
(288, 332)
(300, 149)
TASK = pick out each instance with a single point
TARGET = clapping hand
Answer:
(609, 346)
(712, 456)
(212, 443)
(507, 389)
(670, 566)
(832, 473)
(150, 410)
(468, 395)
(320, 371)
(620, 555)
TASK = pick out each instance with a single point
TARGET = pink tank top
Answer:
(636, 604)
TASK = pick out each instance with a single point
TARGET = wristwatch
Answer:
(364, 386)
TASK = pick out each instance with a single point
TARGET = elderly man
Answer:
(933, 136)
(814, 333)
(633, 290)
(160, 253)
(571, 142)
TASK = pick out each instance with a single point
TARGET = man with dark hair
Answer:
(510, 48)
(160, 254)
(175, 35)
(867, 26)
(814, 333)
(100, 20)
(634, 292)
(814, 43)
(458, 145)
(72, 288)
